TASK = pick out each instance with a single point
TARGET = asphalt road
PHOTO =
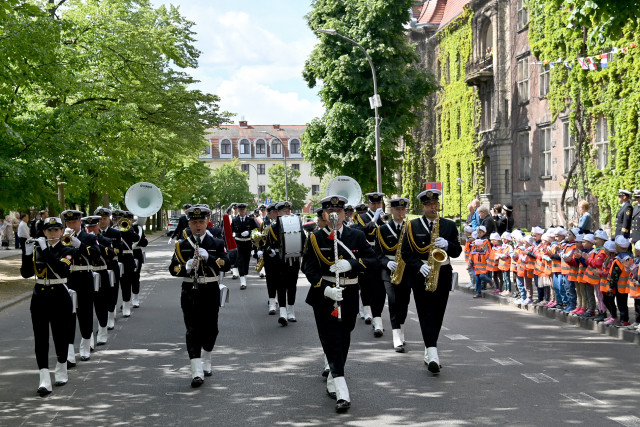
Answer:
(501, 366)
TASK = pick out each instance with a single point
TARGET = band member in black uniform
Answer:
(49, 260)
(242, 226)
(103, 293)
(387, 247)
(39, 225)
(81, 281)
(138, 257)
(183, 224)
(623, 217)
(370, 222)
(635, 218)
(431, 306)
(107, 230)
(365, 298)
(199, 263)
(125, 256)
(330, 301)
(348, 215)
(270, 259)
(287, 278)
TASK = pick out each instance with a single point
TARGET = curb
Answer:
(15, 300)
(584, 323)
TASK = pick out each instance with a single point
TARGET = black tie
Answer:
(429, 225)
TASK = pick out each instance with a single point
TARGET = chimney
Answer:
(276, 127)
(243, 124)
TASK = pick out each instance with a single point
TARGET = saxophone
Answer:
(396, 276)
(437, 257)
(259, 238)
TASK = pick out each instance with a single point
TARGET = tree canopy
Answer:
(297, 191)
(225, 185)
(342, 140)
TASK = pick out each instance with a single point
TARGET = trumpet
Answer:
(29, 241)
(124, 225)
(437, 257)
(386, 217)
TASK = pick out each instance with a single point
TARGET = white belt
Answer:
(99, 268)
(126, 252)
(80, 268)
(243, 239)
(208, 279)
(343, 281)
(391, 257)
(49, 282)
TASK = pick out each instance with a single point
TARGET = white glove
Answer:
(42, 242)
(392, 265)
(92, 233)
(377, 214)
(272, 253)
(546, 258)
(341, 266)
(28, 249)
(69, 231)
(333, 293)
(244, 233)
(442, 243)
(189, 266)
(425, 270)
(203, 253)
(75, 242)
(170, 242)
(260, 254)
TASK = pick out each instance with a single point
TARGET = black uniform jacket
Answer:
(52, 263)
(387, 245)
(238, 226)
(623, 220)
(635, 223)
(184, 251)
(320, 256)
(370, 228)
(417, 238)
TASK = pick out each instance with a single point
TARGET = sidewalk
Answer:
(14, 288)
(459, 266)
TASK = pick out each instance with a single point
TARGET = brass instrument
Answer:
(396, 276)
(437, 257)
(124, 224)
(386, 217)
(196, 260)
(259, 238)
(67, 238)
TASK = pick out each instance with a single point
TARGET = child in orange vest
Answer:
(635, 287)
(479, 260)
(589, 275)
(570, 269)
(596, 263)
(529, 260)
(581, 301)
(468, 245)
(543, 266)
(504, 262)
(494, 257)
(608, 298)
(619, 281)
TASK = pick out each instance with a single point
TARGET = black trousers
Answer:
(365, 291)
(244, 256)
(399, 296)
(82, 283)
(200, 311)
(335, 336)
(377, 292)
(622, 301)
(112, 300)
(287, 284)
(50, 305)
(101, 298)
(271, 273)
(126, 281)
(135, 276)
(431, 306)
(609, 300)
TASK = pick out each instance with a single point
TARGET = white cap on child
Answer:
(622, 241)
(579, 237)
(482, 228)
(478, 242)
(561, 231)
(547, 237)
(494, 236)
(507, 236)
(468, 229)
(610, 246)
(474, 235)
(589, 238)
(601, 234)
(575, 231)
(537, 230)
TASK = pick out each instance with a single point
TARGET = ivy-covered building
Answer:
(493, 124)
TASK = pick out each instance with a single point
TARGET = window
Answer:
(486, 107)
(295, 166)
(261, 189)
(225, 147)
(207, 150)
(602, 142)
(315, 189)
(524, 164)
(523, 14)
(245, 147)
(544, 80)
(523, 80)
(276, 147)
(545, 151)
(261, 169)
(261, 146)
(294, 147)
(245, 169)
(486, 45)
(568, 147)
(487, 175)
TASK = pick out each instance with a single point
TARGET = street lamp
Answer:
(284, 157)
(257, 176)
(374, 101)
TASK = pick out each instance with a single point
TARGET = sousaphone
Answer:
(143, 199)
(347, 187)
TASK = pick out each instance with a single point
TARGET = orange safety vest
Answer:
(504, 264)
(479, 262)
(592, 275)
(623, 280)
(568, 270)
(604, 275)
(492, 259)
(467, 249)
(539, 271)
(556, 265)
(520, 265)
(530, 263)
(582, 273)
(634, 286)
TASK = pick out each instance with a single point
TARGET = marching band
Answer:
(354, 256)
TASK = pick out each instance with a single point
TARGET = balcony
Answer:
(479, 71)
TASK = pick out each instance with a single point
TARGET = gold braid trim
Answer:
(384, 244)
(360, 220)
(273, 234)
(317, 250)
(412, 242)
(179, 254)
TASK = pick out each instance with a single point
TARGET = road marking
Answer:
(455, 337)
(444, 328)
(479, 348)
(506, 362)
(627, 420)
(540, 378)
(582, 399)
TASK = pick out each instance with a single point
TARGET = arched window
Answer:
(261, 148)
(294, 148)
(276, 147)
(486, 41)
(225, 148)
(244, 148)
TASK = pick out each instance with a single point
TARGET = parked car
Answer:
(173, 224)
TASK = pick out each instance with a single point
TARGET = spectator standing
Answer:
(486, 219)
(7, 232)
(506, 220)
(498, 215)
(39, 232)
(472, 211)
(635, 217)
(15, 221)
(585, 222)
(475, 218)
(23, 230)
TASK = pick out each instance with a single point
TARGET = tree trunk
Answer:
(105, 200)
(61, 198)
(93, 202)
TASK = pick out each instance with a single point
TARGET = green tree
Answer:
(297, 191)
(603, 19)
(342, 140)
(225, 185)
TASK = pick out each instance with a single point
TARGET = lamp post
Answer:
(374, 101)
(460, 181)
(284, 157)
(257, 176)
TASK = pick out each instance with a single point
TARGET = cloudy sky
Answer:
(252, 57)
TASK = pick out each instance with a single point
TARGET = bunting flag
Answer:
(604, 62)
(583, 63)
(592, 64)
(589, 63)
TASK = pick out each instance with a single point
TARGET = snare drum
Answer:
(291, 236)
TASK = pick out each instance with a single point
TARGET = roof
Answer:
(452, 10)
(284, 132)
(432, 12)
